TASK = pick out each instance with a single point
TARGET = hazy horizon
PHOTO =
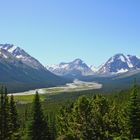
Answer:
(60, 31)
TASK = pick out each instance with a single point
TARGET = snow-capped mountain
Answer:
(22, 55)
(74, 68)
(117, 64)
(20, 71)
(120, 63)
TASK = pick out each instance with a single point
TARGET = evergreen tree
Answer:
(114, 122)
(134, 113)
(14, 119)
(5, 116)
(100, 110)
(39, 127)
(52, 126)
(83, 119)
(65, 123)
(1, 112)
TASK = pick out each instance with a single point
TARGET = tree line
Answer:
(88, 118)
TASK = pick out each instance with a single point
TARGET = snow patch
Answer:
(122, 71)
(122, 58)
(12, 49)
(129, 62)
(19, 56)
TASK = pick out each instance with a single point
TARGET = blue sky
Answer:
(62, 30)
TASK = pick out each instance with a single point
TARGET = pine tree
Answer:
(39, 127)
(114, 122)
(134, 113)
(65, 123)
(52, 126)
(100, 109)
(1, 112)
(83, 119)
(14, 119)
(5, 116)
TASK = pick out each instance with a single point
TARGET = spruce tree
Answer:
(114, 122)
(1, 112)
(5, 116)
(134, 114)
(65, 123)
(100, 109)
(14, 119)
(52, 126)
(83, 119)
(39, 127)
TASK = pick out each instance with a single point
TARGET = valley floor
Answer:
(70, 87)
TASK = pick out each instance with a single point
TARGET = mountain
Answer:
(20, 71)
(20, 54)
(120, 63)
(117, 73)
(75, 69)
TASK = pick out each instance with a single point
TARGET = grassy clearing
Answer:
(28, 98)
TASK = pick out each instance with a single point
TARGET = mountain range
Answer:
(117, 73)
(117, 64)
(19, 71)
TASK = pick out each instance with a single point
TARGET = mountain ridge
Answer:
(117, 64)
(24, 72)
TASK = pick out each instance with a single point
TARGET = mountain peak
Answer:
(118, 56)
(120, 63)
(15, 50)
(75, 68)
(8, 47)
(20, 54)
(78, 61)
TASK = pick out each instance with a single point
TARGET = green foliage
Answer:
(134, 114)
(112, 116)
(63, 120)
(114, 122)
(52, 126)
(90, 118)
(14, 127)
(82, 118)
(9, 126)
(5, 131)
(39, 127)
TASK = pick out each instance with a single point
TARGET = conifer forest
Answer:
(110, 116)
